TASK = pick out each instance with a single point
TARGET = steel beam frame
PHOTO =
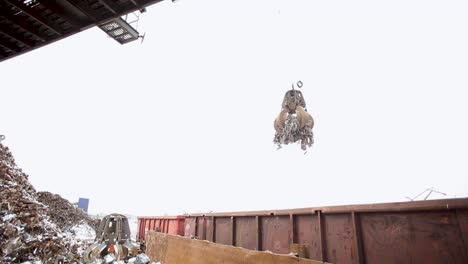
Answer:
(14, 35)
(6, 44)
(51, 5)
(25, 26)
(35, 15)
(85, 10)
(108, 5)
(140, 4)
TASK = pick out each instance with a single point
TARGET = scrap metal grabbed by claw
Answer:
(294, 123)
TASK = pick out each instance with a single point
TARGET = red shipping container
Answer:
(172, 225)
(433, 231)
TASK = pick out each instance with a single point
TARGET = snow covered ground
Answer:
(82, 232)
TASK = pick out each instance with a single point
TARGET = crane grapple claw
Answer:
(294, 123)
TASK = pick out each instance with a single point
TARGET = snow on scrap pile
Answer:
(29, 229)
(62, 212)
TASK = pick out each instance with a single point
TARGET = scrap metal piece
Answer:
(142, 259)
(109, 258)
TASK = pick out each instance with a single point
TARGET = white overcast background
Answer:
(183, 122)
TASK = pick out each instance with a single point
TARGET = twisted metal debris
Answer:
(294, 123)
(28, 230)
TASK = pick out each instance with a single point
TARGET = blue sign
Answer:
(83, 204)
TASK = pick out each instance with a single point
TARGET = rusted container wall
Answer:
(173, 225)
(163, 248)
(433, 231)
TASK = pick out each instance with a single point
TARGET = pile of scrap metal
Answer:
(41, 227)
(63, 213)
(294, 123)
(28, 232)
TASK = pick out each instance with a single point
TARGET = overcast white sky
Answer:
(183, 122)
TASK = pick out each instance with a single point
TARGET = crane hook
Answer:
(299, 84)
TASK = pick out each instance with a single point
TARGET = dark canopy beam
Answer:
(67, 11)
(35, 15)
(23, 24)
(3, 54)
(85, 10)
(7, 45)
(109, 5)
(14, 35)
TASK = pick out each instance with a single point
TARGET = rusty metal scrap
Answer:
(175, 249)
(62, 212)
(28, 230)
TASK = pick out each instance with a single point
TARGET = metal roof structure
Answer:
(26, 25)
